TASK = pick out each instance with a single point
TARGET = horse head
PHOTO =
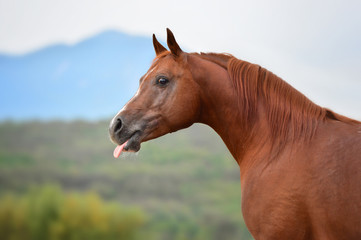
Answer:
(167, 100)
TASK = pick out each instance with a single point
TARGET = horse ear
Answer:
(157, 46)
(172, 44)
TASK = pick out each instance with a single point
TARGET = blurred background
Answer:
(67, 67)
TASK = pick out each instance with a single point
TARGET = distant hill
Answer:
(92, 79)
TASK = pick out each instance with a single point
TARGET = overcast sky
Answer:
(313, 45)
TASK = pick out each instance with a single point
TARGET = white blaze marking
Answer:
(135, 95)
(149, 72)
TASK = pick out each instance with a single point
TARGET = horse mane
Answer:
(290, 114)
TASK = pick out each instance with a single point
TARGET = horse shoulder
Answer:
(305, 186)
(335, 174)
(273, 198)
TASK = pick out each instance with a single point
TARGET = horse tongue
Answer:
(118, 150)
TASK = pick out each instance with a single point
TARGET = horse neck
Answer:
(265, 122)
(220, 106)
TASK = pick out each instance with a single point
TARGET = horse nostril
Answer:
(118, 125)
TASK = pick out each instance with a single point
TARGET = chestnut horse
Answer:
(300, 163)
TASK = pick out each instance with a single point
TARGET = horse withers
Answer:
(300, 164)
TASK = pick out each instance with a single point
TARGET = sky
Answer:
(313, 45)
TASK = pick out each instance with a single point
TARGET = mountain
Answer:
(92, 79)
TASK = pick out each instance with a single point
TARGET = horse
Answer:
(300, 163)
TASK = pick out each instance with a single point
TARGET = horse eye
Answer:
(162, 81)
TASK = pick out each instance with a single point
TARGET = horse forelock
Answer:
(160, 56)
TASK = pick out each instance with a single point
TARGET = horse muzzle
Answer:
(121, 132)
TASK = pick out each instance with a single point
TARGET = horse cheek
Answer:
(186, 112)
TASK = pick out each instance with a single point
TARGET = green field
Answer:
(58, 180)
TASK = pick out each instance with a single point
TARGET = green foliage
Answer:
(48, 213)
(186, 183)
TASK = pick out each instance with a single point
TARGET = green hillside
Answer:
(182, 186)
